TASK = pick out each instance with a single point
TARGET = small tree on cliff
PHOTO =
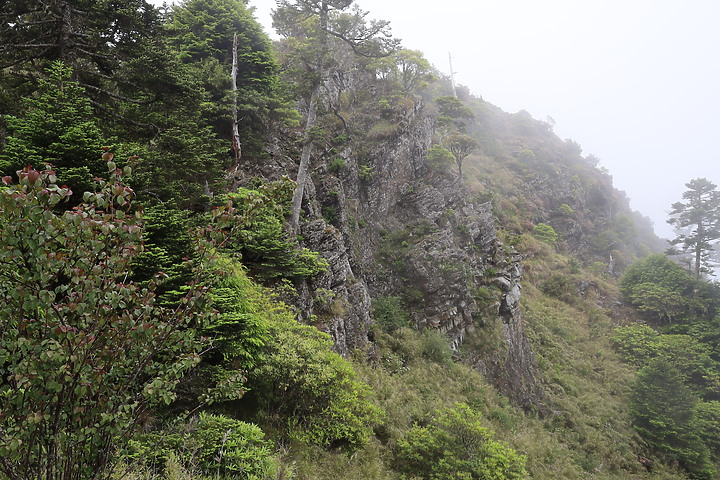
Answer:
(312, 24)
(698, 222)
(461, 146)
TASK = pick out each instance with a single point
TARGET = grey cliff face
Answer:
(394, 226)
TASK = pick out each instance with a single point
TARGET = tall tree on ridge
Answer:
(700, 213)
(312, 25)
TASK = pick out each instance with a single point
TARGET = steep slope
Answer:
(481, 282)
(392, 224)
(467, 257)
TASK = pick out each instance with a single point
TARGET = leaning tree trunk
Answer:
(310, 122)
(304, 159)
(700, 234)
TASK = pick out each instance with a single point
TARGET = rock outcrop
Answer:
(393, 226)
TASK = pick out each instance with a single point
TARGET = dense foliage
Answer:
(58, 127)
(84, 352)
(144, 332)
(678, 384)
(666, 292)
(456, 445)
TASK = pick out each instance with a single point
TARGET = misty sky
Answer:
(635, 82)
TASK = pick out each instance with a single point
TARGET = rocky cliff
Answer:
(389, 225)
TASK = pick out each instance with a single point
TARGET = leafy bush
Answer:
(456, 445)
(312, 390)
(439, 158)
(637, 343)
(546, 233)
(214, 444)
(660, 287)
(84, 352)
(390, 313)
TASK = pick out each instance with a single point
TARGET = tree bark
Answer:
(304, 159)
(236, 145)
(309, 123)
(66, 33)
(698, 249)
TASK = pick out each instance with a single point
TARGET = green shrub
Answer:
(390, 313)
(337, 165)
(84, 352)
(546, 233)
(665, 291)
(559, 286)
(637, 343)
(365, 172)
(439, 158)
(456, 445)
(214, 444)
(566, 210)
(640, 345)
(313, 391)
(436, 347)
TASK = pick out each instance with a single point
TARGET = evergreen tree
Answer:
(58, 128)
(95, 38)
(698, 222)
(202, 32)
(662, 410)
(310, 26)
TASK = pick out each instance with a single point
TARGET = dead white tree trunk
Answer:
(235, 132)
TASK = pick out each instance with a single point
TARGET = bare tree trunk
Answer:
(304, 159)
(700, 233)
(235, 133)
(309, 123)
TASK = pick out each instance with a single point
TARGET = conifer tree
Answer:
(698, 222)
(313, 25)
(58, 128)
(95, 38)
(202, 33)
(662, 409)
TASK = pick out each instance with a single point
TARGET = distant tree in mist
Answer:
(697, 221)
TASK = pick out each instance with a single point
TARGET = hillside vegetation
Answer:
(228, 258)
